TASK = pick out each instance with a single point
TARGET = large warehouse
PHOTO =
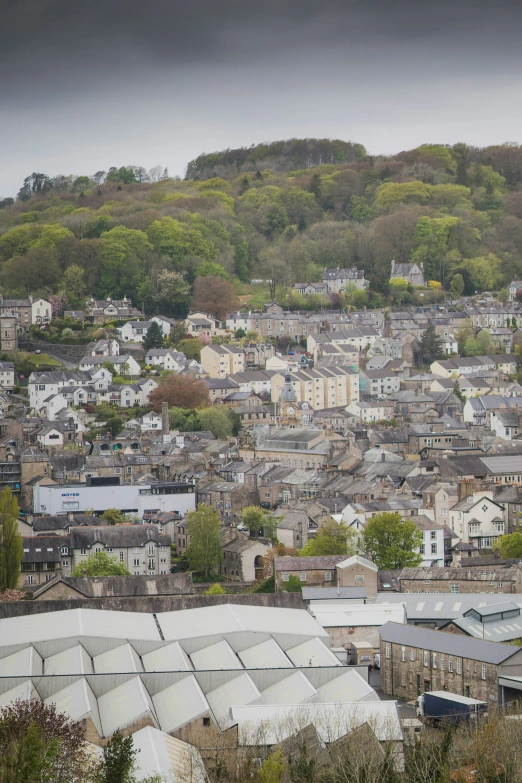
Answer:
(185, 673)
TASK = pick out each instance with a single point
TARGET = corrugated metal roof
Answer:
(24, 663)
(123, 705)
(119, 659)
(24, 691)
(78, 622)
(447, 643)
(227, 618)
(216, 656)
(357, 615)
(270, 724)
(350, 686)
(312, 653)
(241, 690)
(266, 655)
(494, 631)
(293, 689)
(78, 701)
(172, 759)
(180, 704)
(171, 658)
(75, 660)
(442, 606)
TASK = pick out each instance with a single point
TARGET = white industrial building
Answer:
(56, 499)
(178, 671)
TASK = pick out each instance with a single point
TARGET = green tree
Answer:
(215, 589)
(391, 541)
(74, 286)
(191, 347)
(258, 521)
(205, 551)
(457, 285)
(399, 289)
(218, 421)
(332, 538)
(485, 271)
(273, 768)
(11, 544)
(40, 745)
(154, 337)
(113, 516)
(118, 761)
(292, 585)
(431, 345)
(100, 564)
(509, 545)
(115, 425)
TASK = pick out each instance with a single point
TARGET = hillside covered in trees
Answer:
(276, 212)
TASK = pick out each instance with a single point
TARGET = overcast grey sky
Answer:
(93, 84)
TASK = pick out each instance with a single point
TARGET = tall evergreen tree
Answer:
(11, 545)
(154, 337)
(431, 345)
(205, 551)
(118, 760)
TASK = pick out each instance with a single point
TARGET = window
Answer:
(403, 653)
(450, 664)
(422, 549)
(454, 588)
(484, 671)
(109, 549)
(359, 580)
(425, 658)
(434, 660)
(83, 551)
(150, 551)
(433, 535)
(412, 655)
(65, 563)
(434, 549)
(121, 557)
(327, 576)
(136, 561)
(286, 577)
(388, 650)
(29, 580)
(427, 582)
(459, 666)
(206, 721)
(302, 576)
(151, 564)
(442, 662)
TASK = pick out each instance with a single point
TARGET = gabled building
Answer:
(336, 279)
(412, 273)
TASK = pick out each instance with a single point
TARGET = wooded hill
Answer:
(278, 212)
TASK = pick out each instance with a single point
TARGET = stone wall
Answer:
(404, 679)
(154, 603)
(464, 586)
(343, 637)
(72, 353)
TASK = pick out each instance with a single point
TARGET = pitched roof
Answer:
(448, 643)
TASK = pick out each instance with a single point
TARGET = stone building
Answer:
(414, 660)
(8, 333)
(460, 580)
(328, 571)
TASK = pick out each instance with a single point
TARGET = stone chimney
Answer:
(165, 425)
(466, 488)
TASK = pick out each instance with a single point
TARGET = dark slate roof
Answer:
(327, 562)
(447, 643)
(117, 536)
(43, 549)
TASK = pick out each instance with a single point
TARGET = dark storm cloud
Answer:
(201, 30)
(87, 84)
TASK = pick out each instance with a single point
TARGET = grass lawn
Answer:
(40, 358)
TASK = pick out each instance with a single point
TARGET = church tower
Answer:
(288, 407)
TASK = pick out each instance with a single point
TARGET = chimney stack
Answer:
(466, 488)
(165, 426)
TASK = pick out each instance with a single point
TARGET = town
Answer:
(275, 530)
